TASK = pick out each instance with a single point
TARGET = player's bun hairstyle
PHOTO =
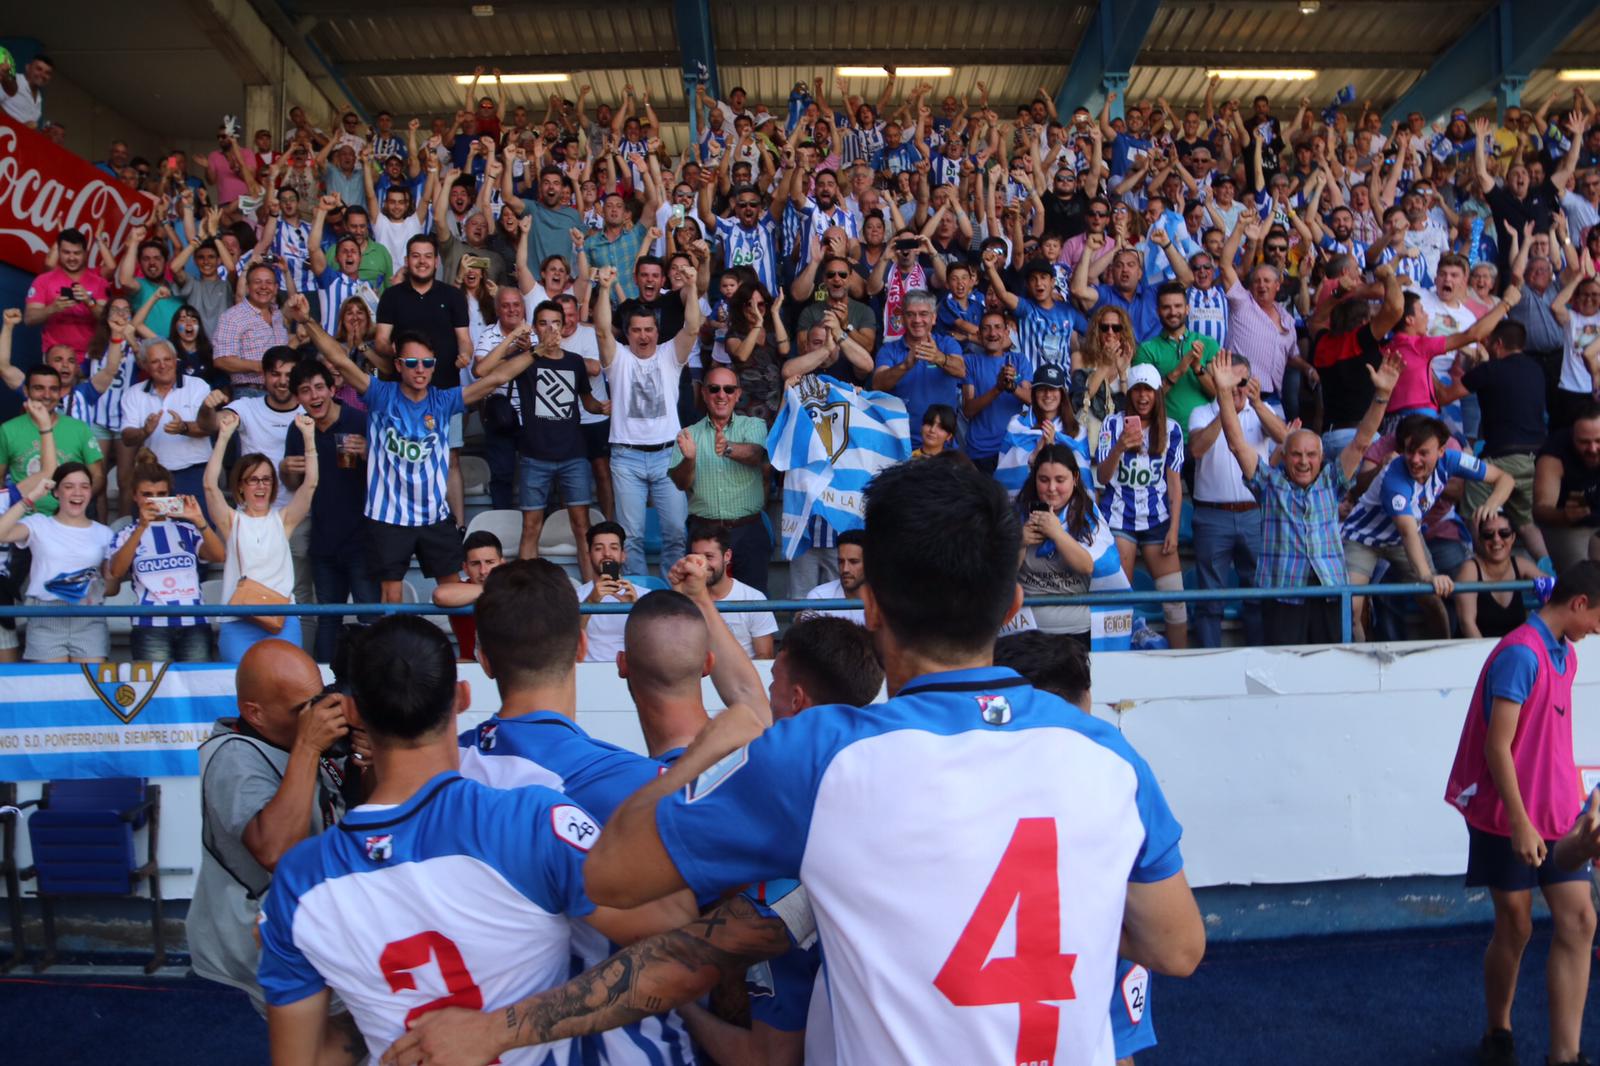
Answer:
(403, 679)
(1051, 662)
(833, 660)
(527, 622)
(941, 555)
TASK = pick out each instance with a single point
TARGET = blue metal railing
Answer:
(1343, 593)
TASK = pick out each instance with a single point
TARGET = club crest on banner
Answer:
(125, 688)
(831, 419)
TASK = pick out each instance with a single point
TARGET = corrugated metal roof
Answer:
(1281, 30)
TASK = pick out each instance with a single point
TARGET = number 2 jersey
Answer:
(458, 897)
(918, 827)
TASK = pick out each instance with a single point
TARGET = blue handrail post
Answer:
(1346, 634)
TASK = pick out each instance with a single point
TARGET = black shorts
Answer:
(1491, 863)
(597, 439)
(437, 548)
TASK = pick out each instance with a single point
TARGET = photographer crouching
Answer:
(284, 769)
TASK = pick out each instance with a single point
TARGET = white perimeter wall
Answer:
(1284, 765)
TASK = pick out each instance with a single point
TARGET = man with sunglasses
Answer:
(407, 450)
(719, 462)
(1096, 220)
(749, 238)
(855, 317)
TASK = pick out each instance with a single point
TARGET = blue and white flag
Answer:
(135, 719)
(831, 439)
(1157, 268)
(1016, 452)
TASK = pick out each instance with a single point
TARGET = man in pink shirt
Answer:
(67, 301)
(1411, 342)
(1515, 782)
(230, 168)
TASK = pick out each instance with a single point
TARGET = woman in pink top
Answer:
(1411, 342)
(1515, 782)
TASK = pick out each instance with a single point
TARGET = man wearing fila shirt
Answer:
(408, 450)
(957, 724)
(954, 723)
(373, 908)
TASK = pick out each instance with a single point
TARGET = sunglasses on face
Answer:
(742, 204)
(727, 390)
(838, 275)
(1498, 534)
(1099, 214)
(1110, 327)
(1277, 247)
(412, 364)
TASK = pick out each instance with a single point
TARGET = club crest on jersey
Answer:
(574, 825)
(996, 710)
(428, 423)
(486, 735)
(380, 848)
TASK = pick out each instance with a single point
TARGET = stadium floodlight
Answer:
(1579, 75)
(512, 79)
(902, 72)
(1253, 74)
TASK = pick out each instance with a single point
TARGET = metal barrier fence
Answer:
(1130, 598)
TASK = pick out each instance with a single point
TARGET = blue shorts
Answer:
(1491, 863)
(1156, 534)
(1132, 1029)
(537, 475)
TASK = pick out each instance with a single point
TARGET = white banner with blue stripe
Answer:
(134, 719)
(831, 439)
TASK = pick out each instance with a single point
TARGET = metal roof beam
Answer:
(745, 57)
(1497, 54)
(1106, 53)
(1317, 60)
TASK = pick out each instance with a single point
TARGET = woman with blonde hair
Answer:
(355, 333)
(1100, 368)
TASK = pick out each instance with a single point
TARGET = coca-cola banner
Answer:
(45, 189)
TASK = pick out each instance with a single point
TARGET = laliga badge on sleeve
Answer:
(996, 710)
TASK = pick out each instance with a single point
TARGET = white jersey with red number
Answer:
(458, 897)
(1006, 951)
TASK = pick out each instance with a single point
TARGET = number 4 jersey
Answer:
(458, 897)
(966, 847)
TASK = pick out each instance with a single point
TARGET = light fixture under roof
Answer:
(512, 79)
(1263, 74)
(1578, 75)
(1310, 7)
(483, 11)
(900, 72)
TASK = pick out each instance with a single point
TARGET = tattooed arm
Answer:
(647, 978)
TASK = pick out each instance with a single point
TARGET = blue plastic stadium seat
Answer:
(82, 835)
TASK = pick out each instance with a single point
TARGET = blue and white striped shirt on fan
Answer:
(755, 248)
(165, 570)
(1045, 334)
(408, 449)
(1396, 493)
(860, 145)
(291, 242)
(335, 288)
(942, 170)
(107, 411)
(1413, 267)
(1208, 313)
(1135, 497)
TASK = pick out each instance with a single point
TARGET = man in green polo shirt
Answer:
(1177, 352)
(20, 438)
(720, 462)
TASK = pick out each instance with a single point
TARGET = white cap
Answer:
(1144, 374)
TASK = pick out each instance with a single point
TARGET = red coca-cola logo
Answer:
(45, 189)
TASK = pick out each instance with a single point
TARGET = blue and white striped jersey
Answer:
(107, 409)
(1044, 334)
(1413, 267)
(408, 454)
(1208, 313)
(291, 243)
(942, 170)
(755, 248)
(1135, 497)
(459, 897)
(165, 570)
(335, 287)
(1349, 247)
(549, 749)
(860, 145)
(1395, 492)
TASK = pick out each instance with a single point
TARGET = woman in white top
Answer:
(257, 536)
(69, 554)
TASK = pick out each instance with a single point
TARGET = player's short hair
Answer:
(42, 370)
(1172, 288)
(703, 530)
(1511, 336)
(656, 606)
(482, 538)
(1580, 579)
(858, 537)
(1414, 431)
(527, 622)
(411, 336)
(833, 660)
(941, 555)
(73, 237)
(277, 355)
(1050, 662)
(403, 679)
